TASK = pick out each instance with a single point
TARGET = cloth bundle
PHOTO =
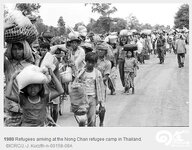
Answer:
(123, 32)
(82, 30)
(32, 75)
(113, 38)
(21, 29)
(146, 31)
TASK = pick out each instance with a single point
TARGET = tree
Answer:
(105, 10)
(118, 24)
(40, 26)
(91, 24)
(61, 26)
(28, 8)
(182, 17)
(99, 26)
(133, 22)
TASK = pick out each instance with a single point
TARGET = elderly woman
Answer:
(17, 56)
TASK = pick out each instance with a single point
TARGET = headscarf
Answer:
(27, 51)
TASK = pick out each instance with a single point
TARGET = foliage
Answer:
(100, 26)
(182, 17)
(91, 24)
(40, 26)
(118, 24)
(104, 9)
(104, 22)
(28, 8)
(61, 26)
(61, 22)
(133, 22)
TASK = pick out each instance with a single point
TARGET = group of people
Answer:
(93, 61)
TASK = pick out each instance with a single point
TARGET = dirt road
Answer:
(161, 98)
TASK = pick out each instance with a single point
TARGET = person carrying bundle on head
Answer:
(33, 98)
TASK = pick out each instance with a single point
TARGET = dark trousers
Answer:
(121, 71)
(141, 58)
(179, 57)
(161, 54)
(54, 112)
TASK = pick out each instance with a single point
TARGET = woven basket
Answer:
(16, 33)
(130, 47)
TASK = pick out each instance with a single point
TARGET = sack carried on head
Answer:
(123, 32)
(21, 29)
(32, 75)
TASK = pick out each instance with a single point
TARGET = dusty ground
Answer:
(161, 98)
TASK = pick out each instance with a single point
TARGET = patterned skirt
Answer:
(129, 79)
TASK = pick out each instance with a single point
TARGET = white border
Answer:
(147, 133)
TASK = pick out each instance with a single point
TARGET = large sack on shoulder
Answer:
(32, 75)
(49, 60)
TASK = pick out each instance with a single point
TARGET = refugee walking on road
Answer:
(181, 51)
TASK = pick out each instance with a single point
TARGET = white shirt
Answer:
(139, 46)
(79, 58)
(90, 79)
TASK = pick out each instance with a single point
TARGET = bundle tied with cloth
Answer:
(20, 29)
(82, 30)
(78, 97)
(32, 75)
(112, 38)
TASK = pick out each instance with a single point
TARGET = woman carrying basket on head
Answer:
(18, 55)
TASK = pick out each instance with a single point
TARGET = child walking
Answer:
(130, 68)
(34, 100)
(94, 87)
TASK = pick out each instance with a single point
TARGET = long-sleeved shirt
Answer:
(79, 58)
(180, 46)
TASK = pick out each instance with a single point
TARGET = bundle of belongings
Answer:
(21, 29)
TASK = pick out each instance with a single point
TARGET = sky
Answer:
(152, 13)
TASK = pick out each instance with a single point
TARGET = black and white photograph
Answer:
(96, 65)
